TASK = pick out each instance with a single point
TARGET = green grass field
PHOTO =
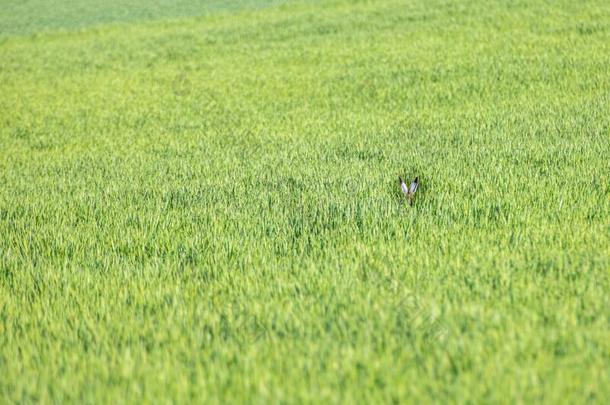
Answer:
(199, 202)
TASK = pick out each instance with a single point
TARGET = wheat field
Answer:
(199, 202)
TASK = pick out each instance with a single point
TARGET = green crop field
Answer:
(199, 202)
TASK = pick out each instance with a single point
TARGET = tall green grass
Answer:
(207, 209)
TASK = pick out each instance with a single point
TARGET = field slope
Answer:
(200, 202)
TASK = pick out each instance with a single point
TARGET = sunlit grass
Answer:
(207, 208)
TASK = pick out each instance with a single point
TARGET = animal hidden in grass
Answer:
(409, 192)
